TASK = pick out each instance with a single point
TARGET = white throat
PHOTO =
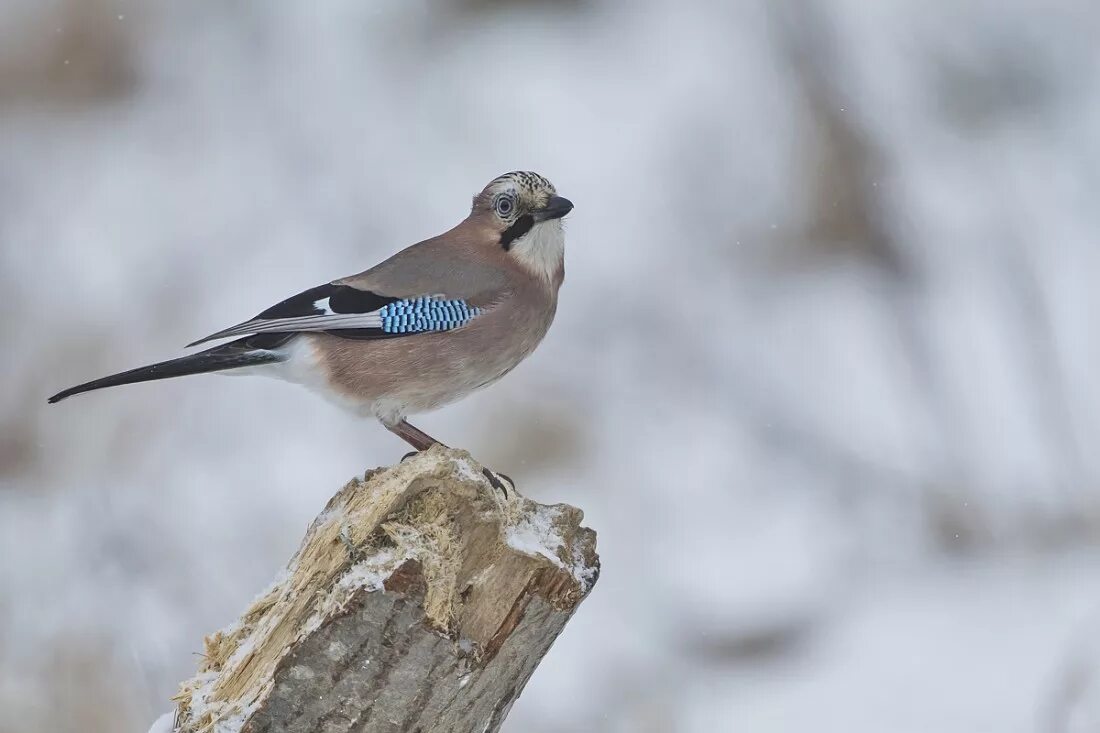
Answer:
(542, 249)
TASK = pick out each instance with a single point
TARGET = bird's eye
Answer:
(505, 205)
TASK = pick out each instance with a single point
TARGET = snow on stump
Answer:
(421, 599)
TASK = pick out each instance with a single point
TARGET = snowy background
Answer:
(836, 424)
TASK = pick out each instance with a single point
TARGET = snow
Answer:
(163, 724)
(370, 573)
(226, 719)
(464, 469)
(837, 486)
(535, 534)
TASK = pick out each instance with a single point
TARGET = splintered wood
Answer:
(421, 599)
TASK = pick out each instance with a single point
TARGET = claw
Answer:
(495, 481)
(508, 478)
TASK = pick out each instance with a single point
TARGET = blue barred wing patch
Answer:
(417, 315)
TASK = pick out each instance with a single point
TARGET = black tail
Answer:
(227, 356)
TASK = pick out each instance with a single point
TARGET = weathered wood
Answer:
(422, 599)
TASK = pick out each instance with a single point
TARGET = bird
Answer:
(427, 327)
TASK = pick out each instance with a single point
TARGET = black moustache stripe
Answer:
(517, 230)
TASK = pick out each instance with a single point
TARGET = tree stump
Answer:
(421, 599)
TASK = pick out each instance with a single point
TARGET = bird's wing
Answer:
(394, 299)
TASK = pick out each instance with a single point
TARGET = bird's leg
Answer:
(415, 437)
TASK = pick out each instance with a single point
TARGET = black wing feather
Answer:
(341, 299)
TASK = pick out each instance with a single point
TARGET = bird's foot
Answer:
(496, 482)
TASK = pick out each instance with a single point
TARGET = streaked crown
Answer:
(514, 193)
(527, 182)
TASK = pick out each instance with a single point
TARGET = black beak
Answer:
(555, 208)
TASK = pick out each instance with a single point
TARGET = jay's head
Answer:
(525, 211)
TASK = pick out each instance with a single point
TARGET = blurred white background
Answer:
(823, 376)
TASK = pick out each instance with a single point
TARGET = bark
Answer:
(421, 599)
